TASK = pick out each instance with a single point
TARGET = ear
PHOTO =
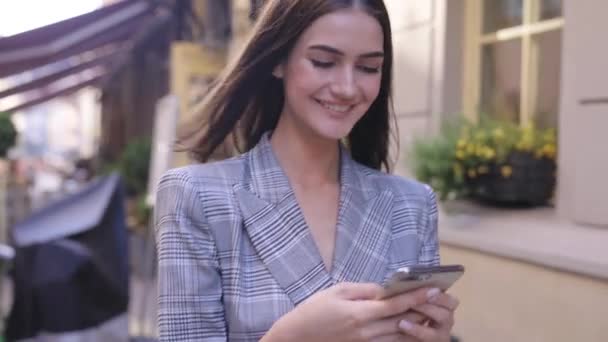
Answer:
(278, 71)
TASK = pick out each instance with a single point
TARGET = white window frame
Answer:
(475, 40)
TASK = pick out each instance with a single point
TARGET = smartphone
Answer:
(410, 278)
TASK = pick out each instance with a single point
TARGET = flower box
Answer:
(522, 179)
(499, 162)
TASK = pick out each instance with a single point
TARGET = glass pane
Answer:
(500, 14)
(549, 60)
(500, 83)
(550, 9)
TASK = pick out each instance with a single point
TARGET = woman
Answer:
(290, 240)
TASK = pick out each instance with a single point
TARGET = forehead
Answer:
(349, 30)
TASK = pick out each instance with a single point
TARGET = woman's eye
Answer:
(321, 64)
(369, 70)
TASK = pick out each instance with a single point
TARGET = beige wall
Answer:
(583, 161)
(427, 67)
(506, 300)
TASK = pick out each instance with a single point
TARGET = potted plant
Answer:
(506, 163)
(498, 162)
(8, 134)
(133, 165)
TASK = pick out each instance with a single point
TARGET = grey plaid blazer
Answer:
(235, 253)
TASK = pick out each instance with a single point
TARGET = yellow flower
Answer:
(498, 133)
(550, 135)
(549, 150)
(470, 148)
(472, 173)
(525, 144)
(460, 154)
(461, 143)
(506, 171)
(490, 153)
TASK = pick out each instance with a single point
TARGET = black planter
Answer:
(531, 182)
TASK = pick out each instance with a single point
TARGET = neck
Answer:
(308, 161)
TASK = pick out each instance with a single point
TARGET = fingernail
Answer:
(405, 325)
(432, 293)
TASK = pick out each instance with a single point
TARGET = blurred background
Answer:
(501, 105)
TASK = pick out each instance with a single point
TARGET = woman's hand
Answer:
(440, 312)
(351, 312)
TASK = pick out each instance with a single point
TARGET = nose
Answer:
(344, 85)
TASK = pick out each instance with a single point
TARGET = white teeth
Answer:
(335, 108)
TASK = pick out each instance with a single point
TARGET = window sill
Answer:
(535, 236)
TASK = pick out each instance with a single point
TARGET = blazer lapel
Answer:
(276, 227)
(364, 226)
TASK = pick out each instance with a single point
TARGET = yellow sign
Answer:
(193, 68)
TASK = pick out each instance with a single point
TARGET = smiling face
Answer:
(333, 74)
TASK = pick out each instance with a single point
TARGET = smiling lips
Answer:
(340, 109)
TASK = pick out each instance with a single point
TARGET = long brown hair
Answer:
(246, 100)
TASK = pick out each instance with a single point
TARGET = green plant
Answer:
(432, 161)
(142, 210)
(134, 165)
(8, 134)
(464, 151)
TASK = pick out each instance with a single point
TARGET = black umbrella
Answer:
(71, 266)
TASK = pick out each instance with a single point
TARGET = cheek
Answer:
(301, 79)
(371, 88)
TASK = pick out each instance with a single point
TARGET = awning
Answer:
(86, 43)
(96, 60)
(50, 43)
(92, 81)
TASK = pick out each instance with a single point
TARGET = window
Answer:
(513, 53)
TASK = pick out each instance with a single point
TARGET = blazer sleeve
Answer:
(189, 283)
(429, 251)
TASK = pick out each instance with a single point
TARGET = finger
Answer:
(398, 337)
(445, 300)
(400, 303)
(358, 291)
(438, 314)
(419, 331)
(382, 328)
(390, 326)
(414, 317)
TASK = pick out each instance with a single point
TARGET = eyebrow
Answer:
(335, 51)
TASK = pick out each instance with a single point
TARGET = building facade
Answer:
(529, 273)
(532, 275)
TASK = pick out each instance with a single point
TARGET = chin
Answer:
(334, 133)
